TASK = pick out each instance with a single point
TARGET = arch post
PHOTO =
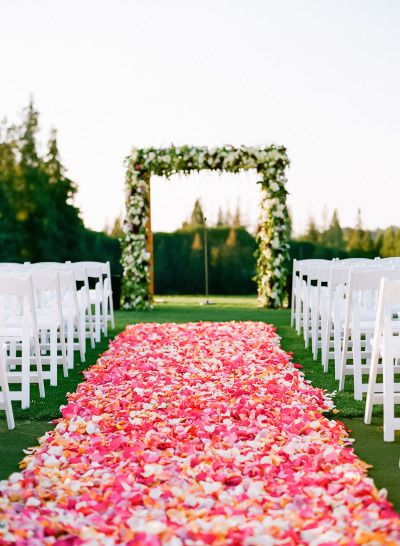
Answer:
(150, 242)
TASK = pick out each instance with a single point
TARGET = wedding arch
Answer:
(270, 163)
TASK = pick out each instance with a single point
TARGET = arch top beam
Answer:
(270, 163)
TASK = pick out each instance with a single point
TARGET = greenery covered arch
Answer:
(273, 233)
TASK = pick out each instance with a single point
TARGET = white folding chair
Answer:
(100, 295)
(50, 321)
(5, 400)
(18, 326)
(359, 323)
(72, 314)
(385, 346)
(320, 306)
(314, 297)
(84, 302)
(95, 272)
(334, 318)
(301, 294)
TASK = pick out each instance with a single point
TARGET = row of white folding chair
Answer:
(332, 336)
(75, 305)
(52, 318)
(299, 288)
(359, 323)
(332, 311)
(299, 284)
(81, 276)
(357, 291)
(101, 295)
(309, 293)
(385, 347)
(320, 311)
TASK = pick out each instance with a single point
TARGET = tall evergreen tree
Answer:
(220, 217)
(197, 242)
(64, 218)
(116, 228)
(333, 236)
(367, 243)
(237, 217)
(228, 218)
(34, 203)
(389, 243)
(312, 234)
(231, 240)
(36, 197)
(355, 241)
(197, 217)
(11, 187)
(28, 135)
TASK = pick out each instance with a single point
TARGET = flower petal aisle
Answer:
(195, 434)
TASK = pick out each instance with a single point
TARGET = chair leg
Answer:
(337, 342)
(53, 356)
(63, 348)
(373, 370)
(357, 366)
(388, 398)
(81, 340)
(110, 299)
(326, 335)
(39, 368)
(70, 343)
(343, 362)
(5, 391)
(25, 373)
(97, 320)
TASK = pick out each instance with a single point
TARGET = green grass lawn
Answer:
(369, 445)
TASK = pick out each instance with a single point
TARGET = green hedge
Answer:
(179, 261)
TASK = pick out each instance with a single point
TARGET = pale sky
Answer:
(320, 77)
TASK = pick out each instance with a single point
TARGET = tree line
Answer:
(38, 218)
(356, 240)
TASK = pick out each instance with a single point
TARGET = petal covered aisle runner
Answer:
(195, 434)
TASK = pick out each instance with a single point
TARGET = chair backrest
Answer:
(370, 279)
(390, 260)
(351, 261)
(11, 268)
(68, 288)
(46, 288)
(306, 264)
(80, 273)
(313, 270)
(92, 268)
(363, 286)
(15, 285)
(16, 294)
(388, 304)
(46, 265)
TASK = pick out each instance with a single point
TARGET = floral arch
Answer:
(273, 233)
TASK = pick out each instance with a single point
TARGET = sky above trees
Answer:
(318, 77)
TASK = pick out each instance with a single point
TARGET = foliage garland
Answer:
(274, 223)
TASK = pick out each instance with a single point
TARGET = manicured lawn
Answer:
(369, 439)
